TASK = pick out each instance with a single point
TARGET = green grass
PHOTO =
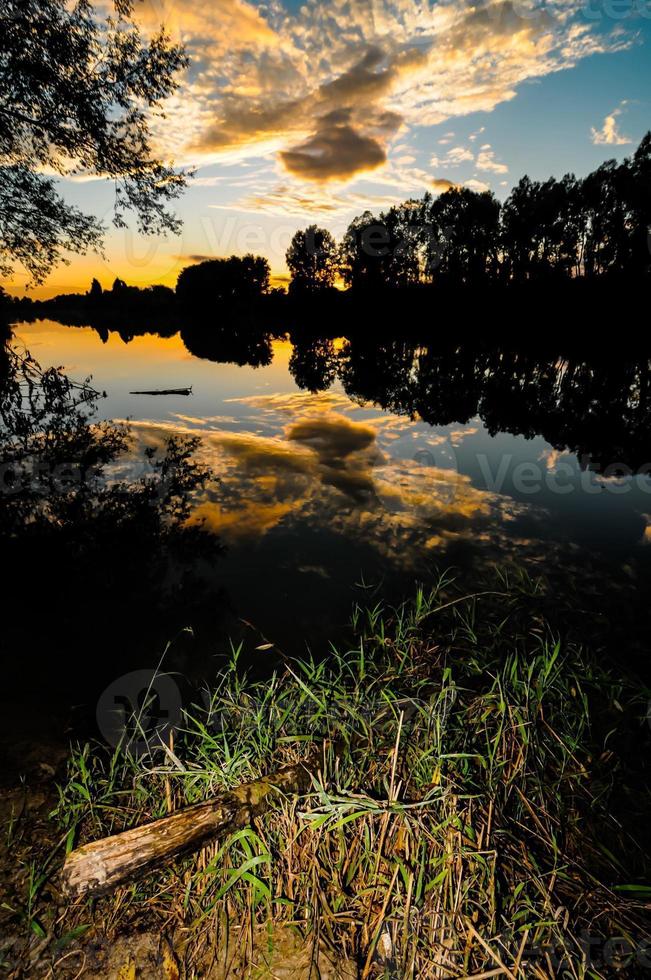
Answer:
(466, 818)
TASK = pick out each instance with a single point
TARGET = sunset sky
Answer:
(294, 113)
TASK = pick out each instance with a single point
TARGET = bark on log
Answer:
(97, 868)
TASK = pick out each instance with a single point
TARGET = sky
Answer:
(294, 113)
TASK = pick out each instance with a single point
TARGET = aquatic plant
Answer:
(463, 822)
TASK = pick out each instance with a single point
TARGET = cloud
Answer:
(441, 185)
(323, 91)
(336, 150)
(609, 133)
(350, 126)
(332, 438)
(195, 257)
(459, 154)
(332, 479)
(299, 199)
(241, 22)
(365, 81)
(486, 161)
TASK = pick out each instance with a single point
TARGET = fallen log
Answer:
(164, 391)
(102, 865)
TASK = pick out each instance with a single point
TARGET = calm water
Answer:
(324, 495)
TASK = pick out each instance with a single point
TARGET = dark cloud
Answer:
(262, 456)
(361, 81)
(332, 438)
(335, 150)
(239, 123)
(351, 127)
(384, 122)
(372, 76)
(358, 484)
(194, 258)
(345, 450)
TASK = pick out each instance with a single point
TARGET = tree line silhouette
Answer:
(566, 235)
(544, 231)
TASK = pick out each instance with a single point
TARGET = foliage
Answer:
(312, 260)
(54, 459)
(368, 254)
(223, 281)
(543, 227)
(462, 248)
(98, 528)
(461, 819)
(77, 92)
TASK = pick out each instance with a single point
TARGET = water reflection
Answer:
(228, 345)
(599, 409)
(325, 470)
(376, 460)
(595, 403)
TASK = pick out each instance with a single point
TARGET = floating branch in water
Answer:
(165, 391)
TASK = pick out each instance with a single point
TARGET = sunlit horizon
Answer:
(294, 114)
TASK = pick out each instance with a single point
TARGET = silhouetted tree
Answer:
(75, 92)
(312, 260)
(236, 344)
(108, 557)
(402, 264)
(542, 229)
(363, 251)
(223, 281)
(54, 454)
(384, 252)
(640, 207)
(607, 247)
(553, 229)
(462, 237)
(95, 292)
(379, 372)
(598, 408)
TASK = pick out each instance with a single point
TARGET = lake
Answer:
(346, 469)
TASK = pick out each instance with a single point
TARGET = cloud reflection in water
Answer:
(363, 480)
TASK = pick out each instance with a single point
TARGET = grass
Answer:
(474, 814)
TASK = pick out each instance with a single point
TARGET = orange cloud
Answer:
(441, 185)
(327, 88)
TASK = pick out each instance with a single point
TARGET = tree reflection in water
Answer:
(597, 407)
(105, 560)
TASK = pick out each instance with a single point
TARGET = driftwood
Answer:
(164, 391)
(99, 867)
